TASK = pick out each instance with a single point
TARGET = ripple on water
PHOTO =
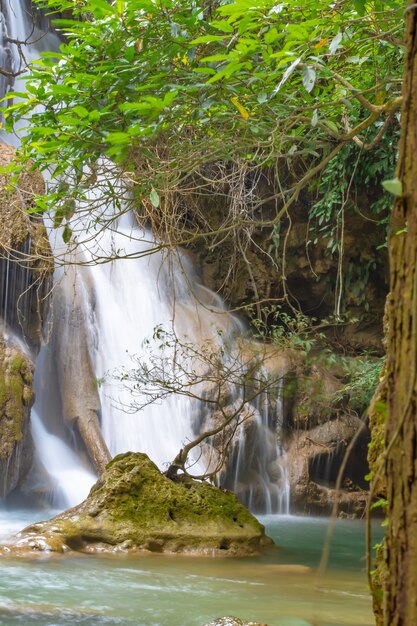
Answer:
(278, 588)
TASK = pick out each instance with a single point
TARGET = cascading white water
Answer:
(131, 297)
(17, 24)
(70, 480)
(111, 308)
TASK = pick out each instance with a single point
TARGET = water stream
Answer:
(101, 313)
(280, 588)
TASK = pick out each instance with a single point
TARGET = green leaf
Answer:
(80, 111)
(66, 234)
(223, 25)
(102, 6)
(271, 35)
(130, 53)
(118, 138)
(44, 130)
(332, 126)
(94, 116)
(394, 186)
(208, 39)
(154, 198)
(360, 6)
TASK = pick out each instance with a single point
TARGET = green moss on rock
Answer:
(135, 507)
(16, 397)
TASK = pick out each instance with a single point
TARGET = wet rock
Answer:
(314, 459)
(16, 399)
(73, 363)
(133, 507)
(26, 262)
(315, 392)
(26, 267)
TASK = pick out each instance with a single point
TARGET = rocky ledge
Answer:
(133, 507)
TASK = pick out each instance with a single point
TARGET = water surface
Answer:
(157, 590)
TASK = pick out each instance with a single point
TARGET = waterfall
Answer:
(100, 315)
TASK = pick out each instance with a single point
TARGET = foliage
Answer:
(221, 380)
(340, 185)
(364, 377)
(166, 88)
(306, 338)
(290, 331)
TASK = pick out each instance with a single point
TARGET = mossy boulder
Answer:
(134, 507)
(16, 399)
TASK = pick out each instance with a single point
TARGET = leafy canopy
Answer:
(165, 87)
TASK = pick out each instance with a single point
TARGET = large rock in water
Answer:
(135, 507)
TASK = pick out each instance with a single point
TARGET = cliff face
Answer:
(26, 266)
(297, 263)
(26, 262)
(16, 399)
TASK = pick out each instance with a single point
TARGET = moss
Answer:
(17, 363)
(15, 396)
(134, 505)
(379, 579)
(377, 421)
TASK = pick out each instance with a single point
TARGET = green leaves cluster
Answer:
(178, 84)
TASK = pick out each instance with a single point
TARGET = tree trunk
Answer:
(400, 589)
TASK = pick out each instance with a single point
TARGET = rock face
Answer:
(314, 459)
(26, 261)
(134, 507)
(26, 265)
(304, 258)
(73, 364)
(320, 421)
(16, 399)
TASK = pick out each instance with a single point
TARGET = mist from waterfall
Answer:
(101, 313)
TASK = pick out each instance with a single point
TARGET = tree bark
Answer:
(400, 589)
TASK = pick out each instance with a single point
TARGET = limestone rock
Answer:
(73, 366)
(26, 262)
(314, 459)
(16, 399)
(310, 270)
(133, 507)
(26, 266)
